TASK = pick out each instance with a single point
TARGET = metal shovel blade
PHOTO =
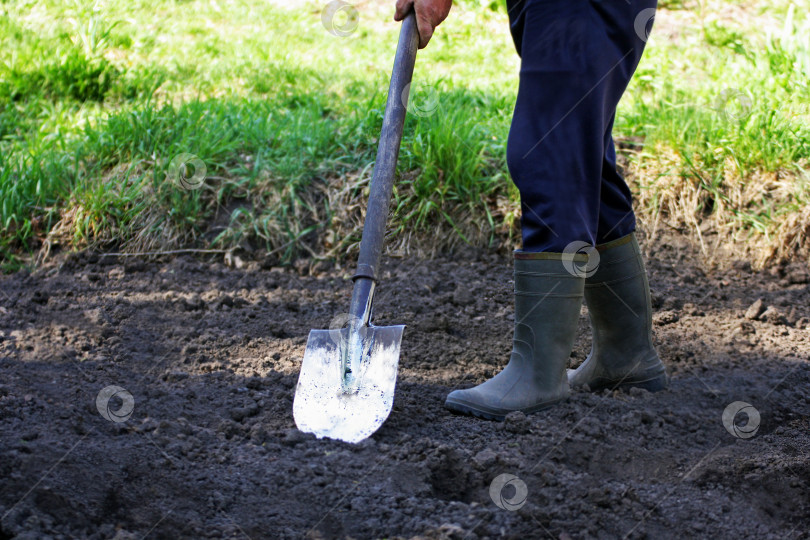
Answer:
(323, 403)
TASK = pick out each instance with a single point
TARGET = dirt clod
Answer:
(755, 310)
(517, 422)
(665, 317)
(773, 316)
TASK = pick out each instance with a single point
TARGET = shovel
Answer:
(346, 386)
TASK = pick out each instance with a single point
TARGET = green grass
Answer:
(97, 99)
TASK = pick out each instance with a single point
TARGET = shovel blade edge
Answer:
(322, 407)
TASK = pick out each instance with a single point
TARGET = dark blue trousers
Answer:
(577, 57)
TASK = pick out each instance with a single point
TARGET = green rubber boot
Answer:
(547, 305)
(618, 300)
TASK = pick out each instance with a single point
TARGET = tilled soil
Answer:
(210, 355)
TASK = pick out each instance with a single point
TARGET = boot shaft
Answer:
(548, 299)
(618, 300)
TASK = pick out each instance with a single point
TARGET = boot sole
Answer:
(463, 407)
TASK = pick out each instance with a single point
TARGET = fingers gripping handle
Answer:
(382, 179)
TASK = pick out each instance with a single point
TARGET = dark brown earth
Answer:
(211, 354)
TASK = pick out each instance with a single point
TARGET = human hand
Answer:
(429, 15)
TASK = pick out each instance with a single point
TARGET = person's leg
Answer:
(547, 305)
(555, 158)
(573, 73)
(616, 216)
(577, 59)
(555, 145)
(617, 293)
